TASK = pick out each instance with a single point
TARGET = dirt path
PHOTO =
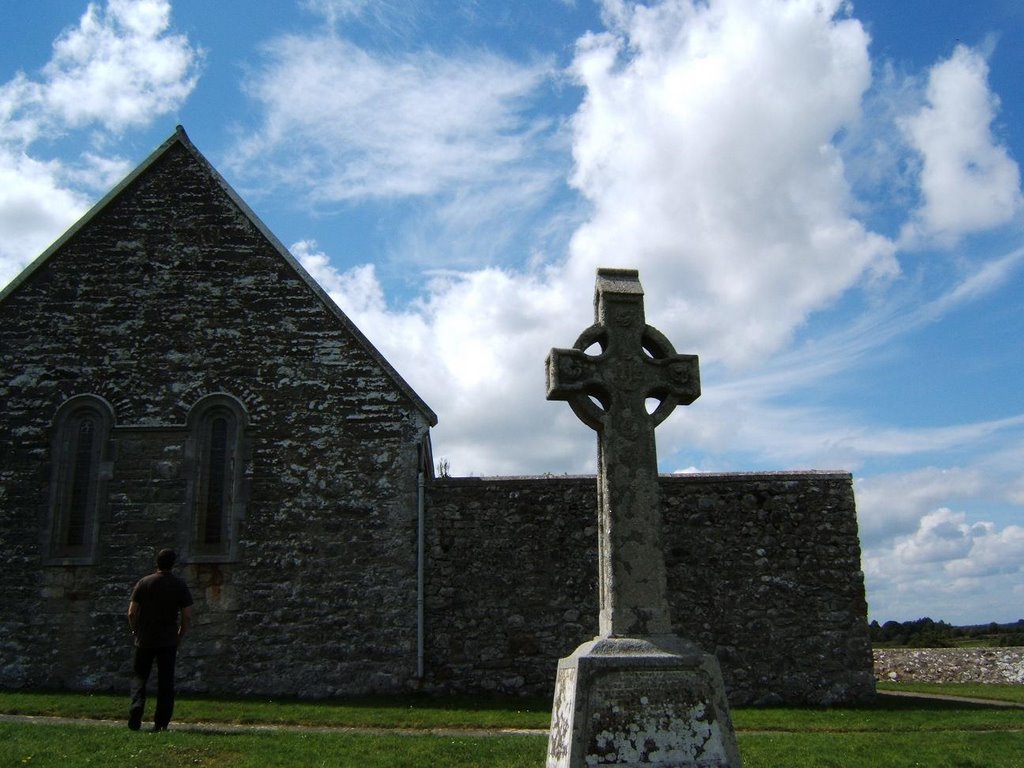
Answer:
(945, 697)
(272, 728)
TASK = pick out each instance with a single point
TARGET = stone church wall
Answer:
(171, 295)
(764, 572)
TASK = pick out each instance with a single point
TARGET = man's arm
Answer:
(133, 615)
(186, 618)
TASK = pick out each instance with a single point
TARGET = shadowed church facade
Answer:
(171, 376)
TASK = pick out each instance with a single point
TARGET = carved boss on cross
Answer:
(636, 362)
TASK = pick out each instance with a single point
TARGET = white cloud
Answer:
(386, 14)
(894, 504)
(968, 180)
(948, 566)
(988, 277)
(335, 10)
(119, 67)
(34, 208)
(705, 144)
(366, 125)
(993, 552)
(941, 536)
(19, 129)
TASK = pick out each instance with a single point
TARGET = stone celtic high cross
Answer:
(609, 392)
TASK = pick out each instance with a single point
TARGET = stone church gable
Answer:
(183, 268)
(172, 377)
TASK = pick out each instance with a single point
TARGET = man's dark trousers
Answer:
(141, 667)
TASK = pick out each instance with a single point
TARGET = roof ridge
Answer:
(92, 212)
(179, 136)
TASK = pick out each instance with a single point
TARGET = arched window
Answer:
(216, 438)
(81, 467)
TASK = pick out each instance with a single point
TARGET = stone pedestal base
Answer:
(641, 702)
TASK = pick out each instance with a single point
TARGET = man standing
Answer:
(153, 616)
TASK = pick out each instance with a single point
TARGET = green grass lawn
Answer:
(892, 733)
(74, 745)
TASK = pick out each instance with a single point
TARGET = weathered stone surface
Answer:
(950, 665)
(609, 392)
(637, 694)
(170, 293)
(763, 571)
(631, 701)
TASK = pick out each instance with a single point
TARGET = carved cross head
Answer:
(633, 362)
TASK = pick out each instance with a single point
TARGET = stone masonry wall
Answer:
(764, 571)
(169, 294)
(950, 665)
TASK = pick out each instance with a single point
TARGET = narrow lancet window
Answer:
(217, 482)
(82, 480)
(81, 432)
(217, 431)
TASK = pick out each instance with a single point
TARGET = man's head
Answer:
(165, 559)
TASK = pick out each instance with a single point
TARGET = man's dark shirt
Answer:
(160, 597)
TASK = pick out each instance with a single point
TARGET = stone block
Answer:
(640, 702)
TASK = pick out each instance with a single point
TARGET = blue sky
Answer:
(823, 200)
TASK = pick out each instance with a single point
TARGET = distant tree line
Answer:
(926, 633)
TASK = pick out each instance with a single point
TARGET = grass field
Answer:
(893, 733)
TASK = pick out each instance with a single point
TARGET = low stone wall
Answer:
(763, 572)
(950, 665)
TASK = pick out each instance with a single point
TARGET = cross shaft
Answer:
(609, 393)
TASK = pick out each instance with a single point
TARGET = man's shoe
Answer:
(135, 719)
